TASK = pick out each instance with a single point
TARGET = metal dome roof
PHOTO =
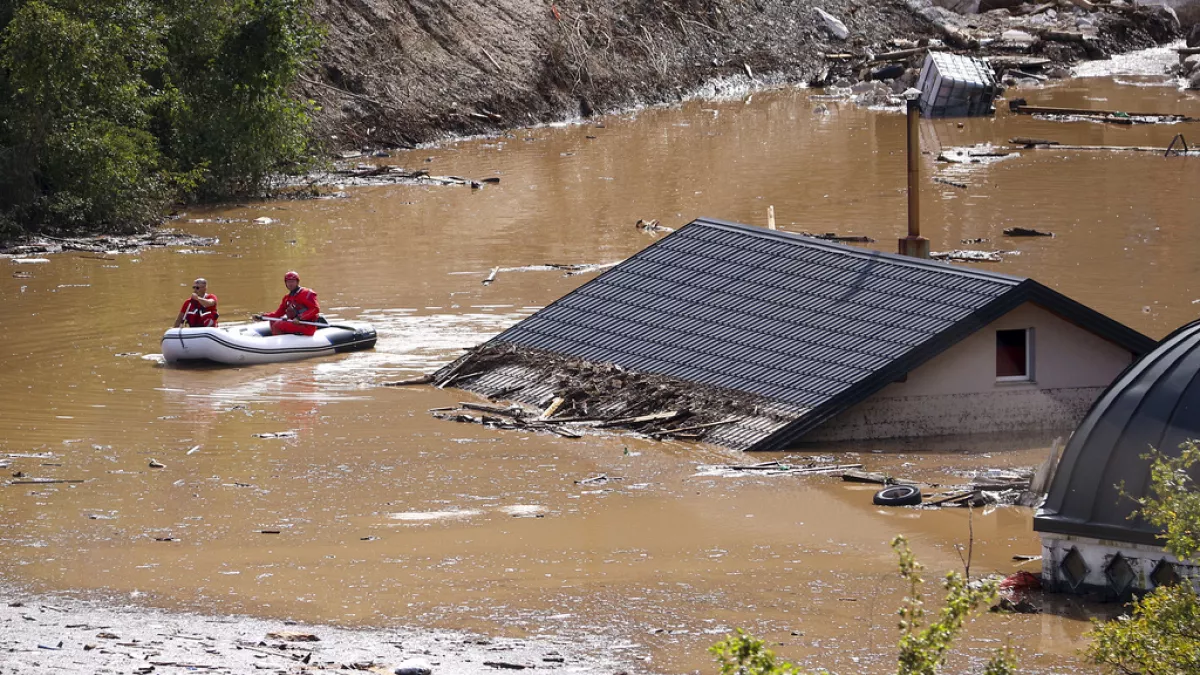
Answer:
(1155, 403)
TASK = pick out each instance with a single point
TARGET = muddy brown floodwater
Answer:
(387, 517)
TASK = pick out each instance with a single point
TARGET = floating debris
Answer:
(967, 255)
(1025, 232)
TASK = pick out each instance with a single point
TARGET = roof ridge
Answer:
(896, 258)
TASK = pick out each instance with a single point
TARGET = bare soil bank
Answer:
(399, 72)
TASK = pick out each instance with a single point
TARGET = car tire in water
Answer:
(898, 495)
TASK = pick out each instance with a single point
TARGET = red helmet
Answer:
(291, 275)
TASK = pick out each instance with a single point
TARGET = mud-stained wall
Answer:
(957, 392)
(1101, 571)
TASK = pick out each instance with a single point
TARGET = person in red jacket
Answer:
(300, 304)
(200, 310)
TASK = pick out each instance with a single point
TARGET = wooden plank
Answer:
(1048, 110)
(553, 407)
(951, 497)
(653, 417)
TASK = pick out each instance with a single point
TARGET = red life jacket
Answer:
(299, 306)
(199, 316)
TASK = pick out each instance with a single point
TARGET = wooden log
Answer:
(553, 407)
(1188, 51)
(958, 38)
(898, 55)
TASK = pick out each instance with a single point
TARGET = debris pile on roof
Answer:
(567, 395)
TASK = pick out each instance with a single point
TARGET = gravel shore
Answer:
(64, 635)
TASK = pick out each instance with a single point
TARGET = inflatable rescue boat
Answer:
(252, 343)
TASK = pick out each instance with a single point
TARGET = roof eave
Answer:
(1026, 291)
(1052, 524)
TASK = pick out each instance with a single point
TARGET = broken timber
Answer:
(1018, 106)
(1041, 144)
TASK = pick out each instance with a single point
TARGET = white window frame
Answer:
(1029, 359)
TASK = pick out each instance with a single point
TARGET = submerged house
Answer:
(808, 340)
(1090, 543)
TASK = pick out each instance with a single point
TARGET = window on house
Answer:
(1014, 355)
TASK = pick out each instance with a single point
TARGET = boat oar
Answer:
(310, 323)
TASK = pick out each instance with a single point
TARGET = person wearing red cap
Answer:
(300, 304)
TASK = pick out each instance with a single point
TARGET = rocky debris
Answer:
(510, 63)
(833, 24)
(105, 245)
(62, 635)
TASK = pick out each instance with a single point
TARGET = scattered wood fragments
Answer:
(276, 434)
(967, 255)
(857, 476)
(384, 174)
(652, 226)
(951, 183)
(775, 468)
(104, 245)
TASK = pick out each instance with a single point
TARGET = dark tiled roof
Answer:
(1154, 403)
(816, 325)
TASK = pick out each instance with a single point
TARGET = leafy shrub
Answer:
(1161, 633)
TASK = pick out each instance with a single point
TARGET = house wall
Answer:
(1098, 556)
(956, 392)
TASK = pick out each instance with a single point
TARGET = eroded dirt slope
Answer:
(399, 72)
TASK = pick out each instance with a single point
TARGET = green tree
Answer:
(1161, 633)
(111, 109)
